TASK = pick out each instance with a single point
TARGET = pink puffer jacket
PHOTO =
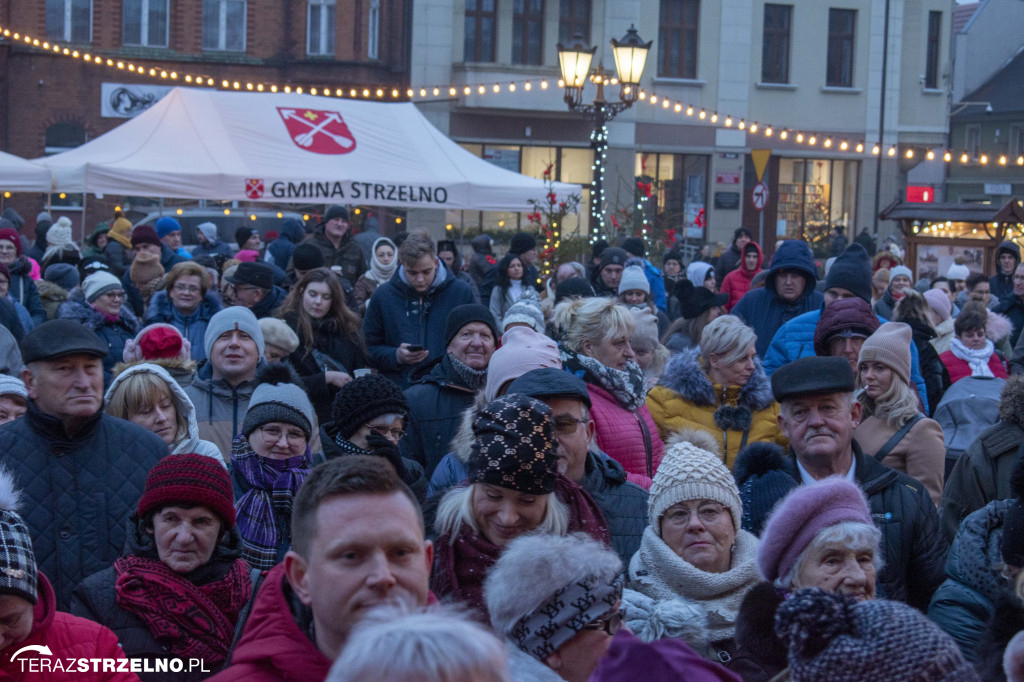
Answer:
(630, 438)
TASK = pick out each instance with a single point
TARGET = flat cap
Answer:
(549, 382)
(56, 338)
(812, 375)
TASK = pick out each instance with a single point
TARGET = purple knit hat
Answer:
(843, 314)
(801, 514)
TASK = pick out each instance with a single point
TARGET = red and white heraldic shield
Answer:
(318, 131)
(254, 188)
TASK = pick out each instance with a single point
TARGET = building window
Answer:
(320, 28)
(931, 67)
(972, 140)
(145, 23)
(69, 20)
(573, 20)
(528, 32)
(478, 42)
(677, 38)
(839, 70)
(62, 137)
(224, 25)
(1017, 140)
(373, 40)
(775, 46)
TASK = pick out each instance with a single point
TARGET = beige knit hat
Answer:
(689, 472)
(277, 333)
(889, 345)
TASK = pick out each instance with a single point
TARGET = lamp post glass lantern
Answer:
(630, 56)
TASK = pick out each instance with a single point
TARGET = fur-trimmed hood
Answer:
(462, 441)
(1011, 401)
(998, 327)
(10, 496)
(684, 375)
(51, 292)
(78, 309)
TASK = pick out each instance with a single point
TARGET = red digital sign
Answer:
(920, 194)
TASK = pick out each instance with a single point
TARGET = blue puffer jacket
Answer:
(82, 489)
(657, 282)
(192, 327)
(795, 340)
(965, 602)
(396, 314)
(764, 311)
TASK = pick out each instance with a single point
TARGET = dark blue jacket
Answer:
(81, 489)
(764, 311)
(270, 303)
(281, 249)
(114, 334)
(396, 314)
(436, 403)
(23, 289)
(1002, 285)
(192, 327)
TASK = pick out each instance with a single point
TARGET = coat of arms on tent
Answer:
(318, 131)
(254, 188)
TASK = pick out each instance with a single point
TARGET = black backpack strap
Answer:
(256, 578)
(897, 437)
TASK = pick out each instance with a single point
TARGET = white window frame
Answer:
(326, 28)
(66, 33)
(972, 140)
(222, 35)
(144, 38)
(373, 40)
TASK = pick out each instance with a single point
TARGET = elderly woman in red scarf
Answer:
(178, 590)
(513, 488)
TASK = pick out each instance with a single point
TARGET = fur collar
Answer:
(684, 375)
(462, 441)
(998, 327)
(1011, 405)
(78, 309)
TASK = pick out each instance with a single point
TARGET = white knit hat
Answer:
(901, 270)
(524, 312)
(59, 233)
(633, 277)
(691, 473)
(958, 271)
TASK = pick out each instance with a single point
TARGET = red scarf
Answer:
(194, 621)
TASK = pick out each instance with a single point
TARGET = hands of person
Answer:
(408, 357)
(336, 378)
(382, 447)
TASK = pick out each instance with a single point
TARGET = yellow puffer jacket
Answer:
(685, 397)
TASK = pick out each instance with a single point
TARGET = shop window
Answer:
(69, 20)
(814, 195)
(61, 137)
(839, 66)
(573, 20)
(1017, 140)
(480, 28)
(144, 23)
(320, 28)
(775, 46)
(528, 32)
(373, 40)
(677, 38)
(224, 25)
(931, 66)
(679, 188)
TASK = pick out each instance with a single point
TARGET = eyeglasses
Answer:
(397, 434)
(708, 513)
(567, 425)
(609, 624)
(272, 434)
(186, 289)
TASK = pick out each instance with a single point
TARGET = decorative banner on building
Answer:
(128, 100)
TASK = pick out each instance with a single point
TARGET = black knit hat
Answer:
(522, 242)
(598, 248)
(613, 255)
(514, 446)
(1013, 523)
(634, 246)
(243, 234)
(851, 270)
(760, 473)
(336, 211)
(364, 399)
(574, 286)
(462, 315)
(307, 257)
(673, 255)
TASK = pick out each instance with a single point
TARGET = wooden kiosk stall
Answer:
(937, 234)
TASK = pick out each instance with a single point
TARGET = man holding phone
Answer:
(406, 316)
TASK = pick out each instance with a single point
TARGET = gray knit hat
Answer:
(831, 636)
(12, 386)
(18, 574)
(229, 319)
(689, 472)
(524, 312)
(633, 277)
(99, 283)
(278, 398)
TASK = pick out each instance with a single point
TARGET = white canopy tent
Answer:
(289, 148)
(19, 175)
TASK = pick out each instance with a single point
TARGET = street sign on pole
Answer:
(760, 159)
(760, 196)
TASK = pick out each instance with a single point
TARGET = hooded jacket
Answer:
(83, 488)
(685, 398)
(192, 326)
(737, 282)
(182, 403)
(913, 548)
(219, 408)
(398, 314)
(52, 297)
(764, 310)
(114, 333)
(482, 261)
(291, 234)
(23, 289)
(276, 644)
(348, 255)
(67, 637)
(965, 601)
(982, 473)
(1002, 285)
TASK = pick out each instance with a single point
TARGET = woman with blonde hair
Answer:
(596, 347)
(892, 429)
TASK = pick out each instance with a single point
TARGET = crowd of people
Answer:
(284, 460)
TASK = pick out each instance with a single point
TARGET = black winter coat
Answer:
(727, 262)
(413, 478)
(82, 489)
(623, 504)
(270, 303)
(933, 371)
(1007, 620)
(333, 342)
(760, 654)
(9, 319)
(23, 289)
(436, 403)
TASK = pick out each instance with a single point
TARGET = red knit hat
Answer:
(189, 478)
(11, 236)
(160, 342)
